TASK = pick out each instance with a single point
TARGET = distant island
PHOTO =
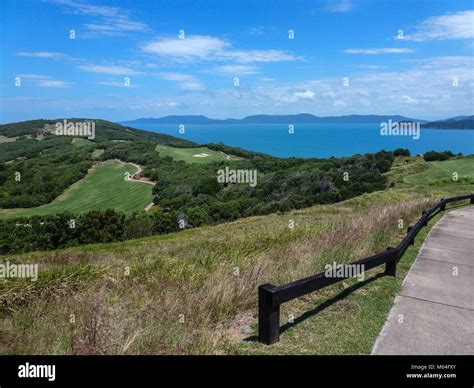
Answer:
(302, 118)
(459, 122)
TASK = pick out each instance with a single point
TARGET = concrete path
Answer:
(434, 312)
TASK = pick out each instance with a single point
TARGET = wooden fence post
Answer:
(268, 316)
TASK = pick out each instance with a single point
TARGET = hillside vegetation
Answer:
(195, 291)
(38, 166)
(104, 187)
(466, 122)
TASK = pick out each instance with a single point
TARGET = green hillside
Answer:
(195, 291)
(442, 172)
(103, 188)
(36, 165)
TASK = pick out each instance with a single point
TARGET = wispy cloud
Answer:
(113, 83)
(235, 69)
(111, 20)
(424, 86)
(206, 48)
(43, 54)
(339, 6)
(44, 81)
(185, 81)
(458, 25)
(247, 56)
(375, 51)
(114, 70)
(256, 31)
(306, 95)
(189, 48)
(156, 105)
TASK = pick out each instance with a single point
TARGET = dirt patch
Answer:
(4, 139)
(241, 327)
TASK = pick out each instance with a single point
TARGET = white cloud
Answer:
(286, 96)
(44, 81)
(256, 31)
(112, 20)
(154, 105)
(235, 69)
(53, 83)
(114, 70)
(339, 6)
(43, 54)
(192, 47)
(248, 56)
(306, 95)
(373, 51)
(87, 9)
(458, 25)
(112, 27)
(203, 47)
(115, 84)
(409, 100)
(417, 91)
(185, 81)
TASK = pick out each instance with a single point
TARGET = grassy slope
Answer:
(104, 187)
(440, 172)
(187, 154)
(192, 275)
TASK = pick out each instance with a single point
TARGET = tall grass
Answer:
(181, 298)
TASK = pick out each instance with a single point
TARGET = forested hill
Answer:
(104, 130)
(36, 165)
(466, 122)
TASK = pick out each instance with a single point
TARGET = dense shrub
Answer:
(41, 233)
(434, 155)
(401, 152)
(99, 226)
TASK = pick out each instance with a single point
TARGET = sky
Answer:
(122, 60)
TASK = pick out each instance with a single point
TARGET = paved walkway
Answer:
(434, 312)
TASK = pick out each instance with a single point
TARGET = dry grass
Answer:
(181, 299)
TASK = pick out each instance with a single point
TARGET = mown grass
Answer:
(193, 155)
(193, 292)
(104, 187)
(414, 171)
(444, 172)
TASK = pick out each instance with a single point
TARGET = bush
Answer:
(164, 222)
(433, 155)
(99, 226)
(401, 152)
(139, 225)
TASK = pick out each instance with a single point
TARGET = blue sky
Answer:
(413, 58)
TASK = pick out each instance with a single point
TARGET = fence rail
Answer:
(270, 297)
